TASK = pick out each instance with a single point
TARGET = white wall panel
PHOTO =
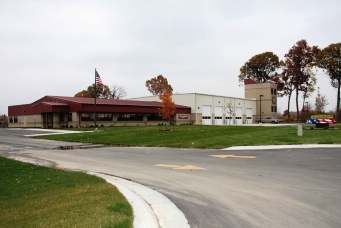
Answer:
(206, 115)
(239, 116)
(249, 115)
(218, 115)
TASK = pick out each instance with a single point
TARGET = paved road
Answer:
(256, 188)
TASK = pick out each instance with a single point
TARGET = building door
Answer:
(206, 115)
(249, 116)
(239, 116)
(218, 115)
(47, 120)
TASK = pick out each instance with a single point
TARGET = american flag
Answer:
(99, 80)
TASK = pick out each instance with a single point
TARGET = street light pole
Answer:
(306, 103)
(260, 108)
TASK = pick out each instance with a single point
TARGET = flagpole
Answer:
(95, 99)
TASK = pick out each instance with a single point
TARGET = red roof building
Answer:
(60, 111)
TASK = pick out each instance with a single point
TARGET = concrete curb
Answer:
(274, 147)
(51, 132)
(151, 209)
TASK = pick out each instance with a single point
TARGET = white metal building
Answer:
(212, 109)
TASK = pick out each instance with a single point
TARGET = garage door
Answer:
(249, 115)
(206, 115)
(239, 115)
(218, 115)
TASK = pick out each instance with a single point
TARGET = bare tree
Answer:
(117, 92)
(3, 120)
(229, 110)
(320, 103)
(287, 88)
(308, 87)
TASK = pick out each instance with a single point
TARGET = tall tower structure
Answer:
(265, 95)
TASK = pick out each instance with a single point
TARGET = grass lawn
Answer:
(36, 196)
(200, 136)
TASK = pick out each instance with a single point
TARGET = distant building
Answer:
(191, 108)
(212, 109)
(264, 92)
(209, 109)
(58, 111)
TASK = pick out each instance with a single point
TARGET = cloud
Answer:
(52, 47)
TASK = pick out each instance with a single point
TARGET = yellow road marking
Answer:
(231, 156)
(167, 166)
(186, 167)
(190, 167)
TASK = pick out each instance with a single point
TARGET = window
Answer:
(130, 117)
(273, 108)
(153, 117)
(91, 117)
(15, 119)
(61, 117)
(273, 91)
(87, 117)
(206, 117)
(218, 117)
(104, 116)
(70, 117)
(11, 119)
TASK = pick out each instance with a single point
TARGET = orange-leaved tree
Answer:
(82, 93)
(158, 85)
(101, 92)
(168, 108)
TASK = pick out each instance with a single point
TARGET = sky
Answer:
(53, 47)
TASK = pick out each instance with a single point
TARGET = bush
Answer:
(71, 126)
